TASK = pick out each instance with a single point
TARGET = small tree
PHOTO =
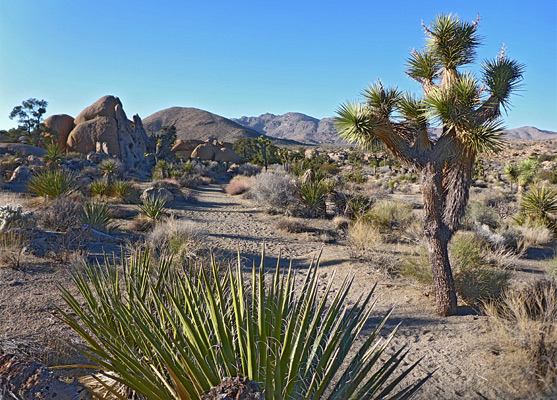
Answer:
(29, 116)
(468, 109)
(163, 143)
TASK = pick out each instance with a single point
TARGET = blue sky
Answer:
(237, 58)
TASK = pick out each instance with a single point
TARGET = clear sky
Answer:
(237, 58)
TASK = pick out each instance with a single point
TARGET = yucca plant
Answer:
(96, 215)
(52, 183)
(166, 335)
(100, 187)
(313, 194)
(539, 204)
(109, 168)
(513, 173)
(122, 188)
(54, 154)
(153, 207)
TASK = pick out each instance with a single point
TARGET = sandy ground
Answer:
(457, 349)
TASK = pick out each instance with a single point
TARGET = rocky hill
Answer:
(294, 126)
(192, 123)
(309, 130)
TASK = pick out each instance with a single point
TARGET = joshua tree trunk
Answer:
(438, 236)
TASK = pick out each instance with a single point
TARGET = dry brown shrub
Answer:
(291, 225)
(524, 330)
(238, 185)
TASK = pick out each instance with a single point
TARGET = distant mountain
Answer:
(294, 126)
(309, 130)
(192, 123)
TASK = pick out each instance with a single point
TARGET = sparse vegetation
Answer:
(275, 190)
(96, 216)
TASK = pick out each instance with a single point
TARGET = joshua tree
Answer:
(263, 144)
(513, 172)
(468, 108)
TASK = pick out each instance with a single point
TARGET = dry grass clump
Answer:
(62, 214)
(363, 239)
(12, 245)
(177, 237)
(238, 185)
(291, 225)
(341, 222)
(535, 235)
(525, 329)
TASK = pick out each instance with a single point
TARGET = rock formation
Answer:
(60, 126)
(105, 122)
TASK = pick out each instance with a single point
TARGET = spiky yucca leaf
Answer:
(355, 123)
(452, 41)
(422, 66)
(540, 205)
(52, 183)
(170, 336)
(483, 138)
(96, 215)
(153, 207)
(413, 110)
(382, 101)
(502, 76)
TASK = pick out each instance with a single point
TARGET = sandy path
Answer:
(456, 348)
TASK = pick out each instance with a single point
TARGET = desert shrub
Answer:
(477, 212)
(13, 216)
(291, 225)
(389, 214)
(179, 238)
(275, 190)
(356, 176)
(184, 334)
(189, 195)
(100, 187)
(417, 266)
(142, 223)
(351, 205)
(190, 182)
(475, 280)
(313, 195)
(62, 214)
(532, 234)
(162, 170)
(341, 222)
(153, 207)
(364, 239)
(238, 185)
(12, 245)
(552, 268)
(96, 216)
(523, 326)
(52, 183)
(248, 169)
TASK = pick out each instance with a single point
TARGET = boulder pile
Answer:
(209, 150)
(104, 122)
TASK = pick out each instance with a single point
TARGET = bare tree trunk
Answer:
(438, 236)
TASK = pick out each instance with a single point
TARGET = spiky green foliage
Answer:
(153, 207)
(539, 204)
(503, 77)
(54, 154)
(96, 216)
(122, 188)
(52, 183)
(453, 42)
(172, 336)
(528, 169)
(512, 172)
(313, 195)
(422, 66)
(100, 187)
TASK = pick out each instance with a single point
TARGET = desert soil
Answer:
(456, 349)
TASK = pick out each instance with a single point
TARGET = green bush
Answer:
(539, 205)
(52, 183)
(167, 335)
(389, 214)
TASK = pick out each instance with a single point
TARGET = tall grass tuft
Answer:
(524, 328)
(52, 183)
(167, 335)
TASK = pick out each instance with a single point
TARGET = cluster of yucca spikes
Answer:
(166, 335)
(467, 107)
